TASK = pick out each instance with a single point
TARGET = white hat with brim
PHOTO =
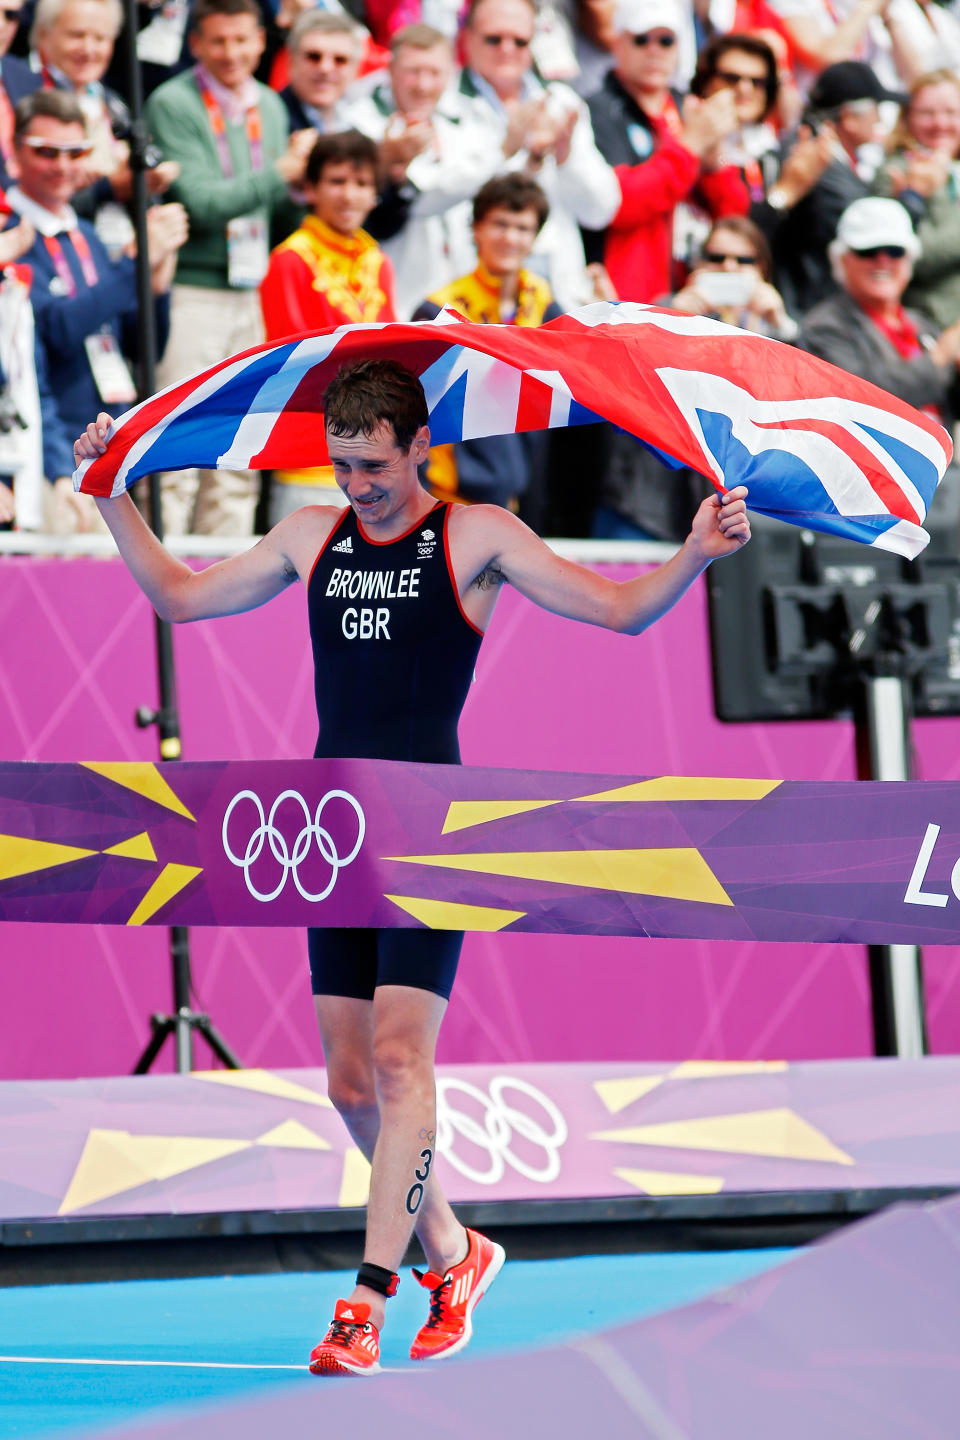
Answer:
(873, 222)
(639, 17)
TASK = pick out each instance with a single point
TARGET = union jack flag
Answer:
(815, 446)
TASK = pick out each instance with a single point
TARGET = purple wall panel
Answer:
(77, 659)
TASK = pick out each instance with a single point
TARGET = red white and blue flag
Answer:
(815, 446)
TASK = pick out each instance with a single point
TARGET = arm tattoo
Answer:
(490, 578)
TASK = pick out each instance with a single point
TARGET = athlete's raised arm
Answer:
(486, 538)
(241, 582)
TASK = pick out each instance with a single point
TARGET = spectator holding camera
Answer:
(731, 282)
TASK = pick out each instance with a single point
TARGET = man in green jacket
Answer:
(237, 160)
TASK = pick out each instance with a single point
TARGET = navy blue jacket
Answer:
(64, 321)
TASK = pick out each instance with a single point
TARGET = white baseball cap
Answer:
(873, 222)
(638, 17)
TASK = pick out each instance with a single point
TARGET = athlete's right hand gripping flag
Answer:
(815, 446)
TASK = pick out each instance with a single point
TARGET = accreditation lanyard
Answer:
(87, 264)
(219, 127)
(753, 178)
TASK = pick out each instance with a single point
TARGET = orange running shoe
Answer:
(351, 1346)
(452, 1298)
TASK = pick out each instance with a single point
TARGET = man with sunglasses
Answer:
(85, 303)
(543, 130)
(666, 151)
(865, 329)
(325, 51)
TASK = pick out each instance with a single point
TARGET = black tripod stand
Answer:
(184, 1020)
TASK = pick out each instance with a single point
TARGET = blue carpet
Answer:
(274, 1320)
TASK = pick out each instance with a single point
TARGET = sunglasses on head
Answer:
(519, 41)
(730, 77)
(873, 252)
(716, 257)
(666, 42)
(317, 57)
(50, 150)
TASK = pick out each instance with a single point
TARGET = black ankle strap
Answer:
(375, 1277)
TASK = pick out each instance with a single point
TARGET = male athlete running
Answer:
(400, 589)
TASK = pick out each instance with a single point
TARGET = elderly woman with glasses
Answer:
(923, 173)
(865, 328)
(731, 282)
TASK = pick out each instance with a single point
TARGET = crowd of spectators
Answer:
(788, 166)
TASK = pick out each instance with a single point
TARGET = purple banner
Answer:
(375, 843)
(263, 1140)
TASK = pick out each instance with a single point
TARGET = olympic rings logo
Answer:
(288, 857)
(494, 1134)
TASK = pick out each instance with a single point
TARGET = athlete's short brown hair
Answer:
(362, 397)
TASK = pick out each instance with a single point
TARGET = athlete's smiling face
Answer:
(378, 478)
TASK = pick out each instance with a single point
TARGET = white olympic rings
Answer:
(494, 1135)
(289, 859)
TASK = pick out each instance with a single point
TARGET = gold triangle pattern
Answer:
(452, 915)
(777, 1133)
(292, 1135)
(685, 787)
(22, 856)
(144, 779)
(114, 1160)
(138, 847)
(461, 814)
(619, 1093)
(171, 880)
(671, 1182)
(355, 1180)
(264, 1082)
(676, 874)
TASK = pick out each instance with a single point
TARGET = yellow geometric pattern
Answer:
(21, 856)
(291, 1135)
(618, 1094)
(138, 847)
(168, 883)
(675, 874)
(144, 779)
(355, 1180)
(685, 787)
(452, 915)
(264, 1082)
(115, 1160)
(671, 1182)
(717, 1069)
(778, 1133)
(461, 814)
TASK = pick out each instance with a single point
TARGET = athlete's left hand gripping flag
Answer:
(814, 445)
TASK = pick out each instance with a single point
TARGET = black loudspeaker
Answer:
(798, 618)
